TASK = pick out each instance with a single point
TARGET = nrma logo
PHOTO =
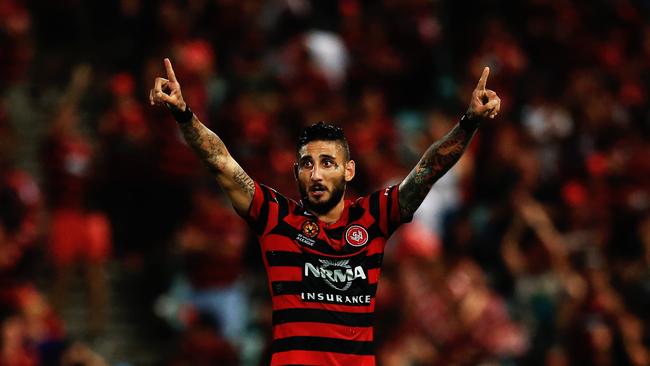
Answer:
(337, 274)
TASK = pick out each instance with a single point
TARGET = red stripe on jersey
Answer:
(322, 330)
(320, 358)
(273, 242)
(373, 275)
(281, 273)
(376, 247)
(297, 220)
(282, 302)
(256, 204)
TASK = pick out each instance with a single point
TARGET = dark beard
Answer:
(324, 207)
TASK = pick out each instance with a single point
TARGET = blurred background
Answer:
(117, 247)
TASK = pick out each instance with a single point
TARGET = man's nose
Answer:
(316, 174)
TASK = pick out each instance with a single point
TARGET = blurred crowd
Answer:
(533, 250)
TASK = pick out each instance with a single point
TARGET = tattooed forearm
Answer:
(244, 181)
(437, 160)
(234, 181)
(206, 144)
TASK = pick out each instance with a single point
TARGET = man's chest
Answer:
(335, 265)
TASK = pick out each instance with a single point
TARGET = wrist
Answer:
(181, 115)
(469, 121)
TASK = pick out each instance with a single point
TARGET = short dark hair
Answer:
(323, 131)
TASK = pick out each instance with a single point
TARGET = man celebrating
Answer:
(323, 254)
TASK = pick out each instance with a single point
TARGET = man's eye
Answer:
(306, 164)
(328, 163)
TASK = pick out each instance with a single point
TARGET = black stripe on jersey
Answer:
(279, 258)
(355, 213)
(335, 234)
(284, 229)
(296, 288)
(283, 207)
(299, 209)
(375, 231)
(373, 204)
(323, 316)
(374, 261)
(323, 344)
(286, 287)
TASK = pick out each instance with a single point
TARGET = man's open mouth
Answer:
(317, 189)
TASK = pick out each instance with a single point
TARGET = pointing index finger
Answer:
(483, 80)
(170, 71)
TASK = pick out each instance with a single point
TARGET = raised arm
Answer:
(206, 144)
(444, 153)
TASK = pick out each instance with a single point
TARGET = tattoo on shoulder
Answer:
(244, 181)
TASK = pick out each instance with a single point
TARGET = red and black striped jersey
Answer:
(323, 277)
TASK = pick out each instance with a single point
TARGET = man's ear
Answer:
(295, 171)
(350, 170)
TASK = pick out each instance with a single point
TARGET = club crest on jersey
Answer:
(310, 229)
(356, 235)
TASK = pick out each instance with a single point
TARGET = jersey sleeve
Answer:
(384, 206)
(265, 208)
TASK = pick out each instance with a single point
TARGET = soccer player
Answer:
(323, 254)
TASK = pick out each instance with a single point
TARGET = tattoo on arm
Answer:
(244, 181)
(437, 160)
(206, 144)
(213, 152)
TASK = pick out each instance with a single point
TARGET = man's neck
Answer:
(334, 214)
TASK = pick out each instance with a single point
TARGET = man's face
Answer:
(322, 173)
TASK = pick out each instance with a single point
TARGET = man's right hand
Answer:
(167, 91)
(237, 185)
